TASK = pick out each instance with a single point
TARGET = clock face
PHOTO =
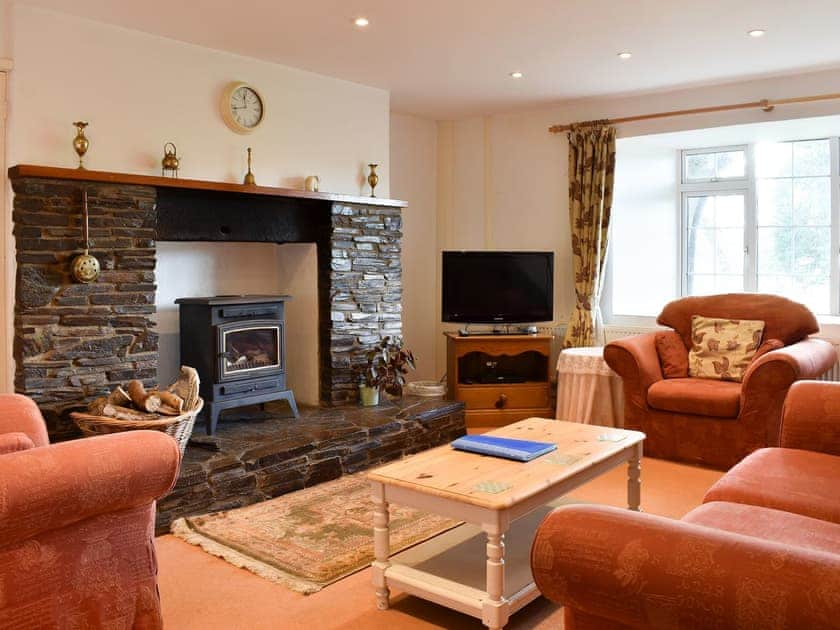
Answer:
(242, 107)
(246, 107)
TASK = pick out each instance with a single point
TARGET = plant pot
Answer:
(369, 396)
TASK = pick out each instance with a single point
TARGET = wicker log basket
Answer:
(179, 427)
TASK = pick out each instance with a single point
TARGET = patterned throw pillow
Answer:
(723, 348)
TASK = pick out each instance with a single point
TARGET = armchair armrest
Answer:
(636, 361)
(43, 489)
(648, 571)
(811, 417)
(770, 376)
(19, 414)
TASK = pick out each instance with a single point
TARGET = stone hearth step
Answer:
(260, 454)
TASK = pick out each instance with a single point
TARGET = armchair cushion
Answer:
(673, 356)
(782, 527)
(723, 348)
(802, 482)
(783, 319)
(696, 396)
(13, 442)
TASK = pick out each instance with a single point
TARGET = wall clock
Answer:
(243, 109)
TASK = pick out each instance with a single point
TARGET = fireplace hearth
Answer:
(238, 345)
(76, 342)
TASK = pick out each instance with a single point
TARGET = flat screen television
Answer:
(483, 287)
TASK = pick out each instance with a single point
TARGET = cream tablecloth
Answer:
(588, 391)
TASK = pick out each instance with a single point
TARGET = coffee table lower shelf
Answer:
(450, 569)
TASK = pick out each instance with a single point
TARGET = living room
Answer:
(375, 155)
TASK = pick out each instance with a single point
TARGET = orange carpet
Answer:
(203, 592)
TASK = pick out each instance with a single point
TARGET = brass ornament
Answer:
(80, 143)
(170, 162)
(85, 268)
(249, 176)
(373, 179)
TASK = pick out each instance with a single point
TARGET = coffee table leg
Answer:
(381, 545)
(495, 613)
(634, 475)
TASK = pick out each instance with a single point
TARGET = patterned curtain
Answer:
(591, 173)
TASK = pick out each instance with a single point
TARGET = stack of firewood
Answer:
(134, 402)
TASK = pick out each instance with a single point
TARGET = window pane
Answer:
(812, 291)
(701, 285)
(700, 251)
(775, 201)
(812, 157)
(775, 250)
(729, 284)
(731, 164)
(729, 250)
(811, 251)
(701, 212)
(812, 201)
(700, 166)
(714, 241)
(774, 159)
(729, 211)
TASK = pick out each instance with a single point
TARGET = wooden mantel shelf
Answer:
(84, 175)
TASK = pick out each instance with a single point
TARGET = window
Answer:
(762, 218)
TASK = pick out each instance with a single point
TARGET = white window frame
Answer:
(717, 186)
(748, 186)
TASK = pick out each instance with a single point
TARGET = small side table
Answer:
(588, 391)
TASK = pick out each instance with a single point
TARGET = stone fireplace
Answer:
(74, 342)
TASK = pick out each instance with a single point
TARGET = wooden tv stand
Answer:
(500, 378)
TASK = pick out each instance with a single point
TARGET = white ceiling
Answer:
(451, 58)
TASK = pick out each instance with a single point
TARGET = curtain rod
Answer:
(765, 104)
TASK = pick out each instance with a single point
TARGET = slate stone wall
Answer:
(365, 302)
(74, 342)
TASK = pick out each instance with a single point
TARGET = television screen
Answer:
(498, 287)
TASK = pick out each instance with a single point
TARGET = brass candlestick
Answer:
(249, 176)
(80, 142)
(373, 179)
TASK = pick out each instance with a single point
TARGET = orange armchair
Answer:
(763, 551)
(706, 421)
(77, 524)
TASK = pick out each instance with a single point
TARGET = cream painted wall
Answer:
(503, 179)
(413, 178)
(139, 91)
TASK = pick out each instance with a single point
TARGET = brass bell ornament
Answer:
(85, 267)
(170, 162)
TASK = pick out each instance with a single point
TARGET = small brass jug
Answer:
(170, 161)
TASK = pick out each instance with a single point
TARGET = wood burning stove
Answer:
(237, 344)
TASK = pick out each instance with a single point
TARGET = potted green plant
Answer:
(385, 368)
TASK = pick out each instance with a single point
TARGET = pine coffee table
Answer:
(473, 568)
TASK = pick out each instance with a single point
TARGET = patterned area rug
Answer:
(309, 538)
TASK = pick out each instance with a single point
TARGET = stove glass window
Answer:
(252, 349)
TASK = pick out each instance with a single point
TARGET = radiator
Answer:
(617, 332)
(834, 373)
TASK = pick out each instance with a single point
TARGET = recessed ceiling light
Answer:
(756, 32)
(625, 55)
(516, 75)
(361, 22)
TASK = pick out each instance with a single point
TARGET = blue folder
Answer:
(509, 448)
